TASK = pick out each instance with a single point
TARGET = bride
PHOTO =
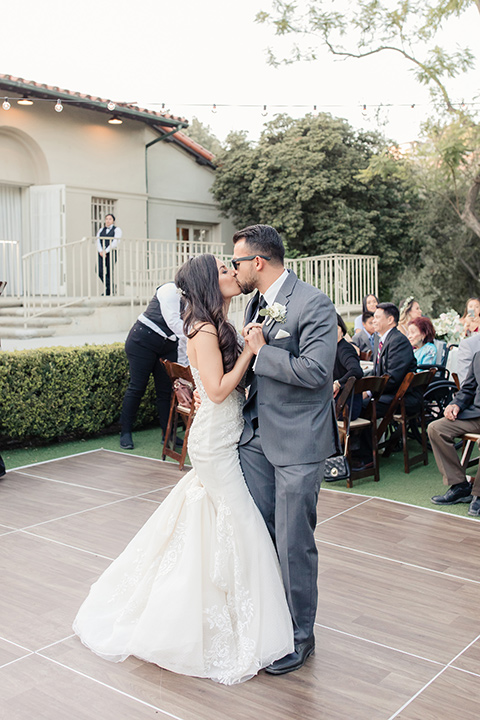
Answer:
(198, 590)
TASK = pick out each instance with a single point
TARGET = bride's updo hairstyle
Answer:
(203, 302)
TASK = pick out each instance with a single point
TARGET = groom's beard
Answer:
(247, 286)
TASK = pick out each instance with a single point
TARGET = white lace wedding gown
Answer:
(198, 590)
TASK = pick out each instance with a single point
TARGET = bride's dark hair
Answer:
(204, 303)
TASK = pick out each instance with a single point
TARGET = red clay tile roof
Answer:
(9, 84)
(162, 121)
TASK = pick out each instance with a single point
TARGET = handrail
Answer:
(10, 267)
(65, 274)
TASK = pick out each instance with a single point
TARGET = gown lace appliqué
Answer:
(198, 590)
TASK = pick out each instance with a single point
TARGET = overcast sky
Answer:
(193, 54)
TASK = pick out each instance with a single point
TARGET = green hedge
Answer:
(58, 392)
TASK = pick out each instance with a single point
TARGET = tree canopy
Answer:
(303, 178)
(444, 168)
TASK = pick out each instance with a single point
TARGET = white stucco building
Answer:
(61, 172)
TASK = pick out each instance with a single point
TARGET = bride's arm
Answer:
(204, 353)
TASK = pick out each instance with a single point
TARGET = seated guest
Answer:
(421, 334)
(471, 316)
(365, 339)
(466, 350)
(460, 417)
(346, 365)
(409, 310)
(393, 356)
(369, 303)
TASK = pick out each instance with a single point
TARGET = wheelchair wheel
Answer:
(437, 396)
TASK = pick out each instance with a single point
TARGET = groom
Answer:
(290, 425)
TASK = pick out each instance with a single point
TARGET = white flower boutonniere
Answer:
(275, 312)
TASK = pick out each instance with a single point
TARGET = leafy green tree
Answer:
(445, 167)
(302, 177)
(204, 135)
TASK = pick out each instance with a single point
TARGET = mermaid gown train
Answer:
(198, 590)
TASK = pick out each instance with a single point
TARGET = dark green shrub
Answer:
(49, 393)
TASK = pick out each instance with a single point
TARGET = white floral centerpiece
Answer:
(449, 328)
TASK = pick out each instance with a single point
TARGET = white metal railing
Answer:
(346, 279)
(10, 268)
(65, 274)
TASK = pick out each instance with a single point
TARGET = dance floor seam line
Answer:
(398, 562)
(67, 545)
(432, 680)
(342, 512)
(79, 512)
(71, 484)
(12, 662)
(110, 687)
(378, 644)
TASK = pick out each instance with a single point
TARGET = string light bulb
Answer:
(25, 101)
(315, 111)
(264, 112)
(111, 106)
(6, 105)
(58, 106)
(115, 120)
(214, 108)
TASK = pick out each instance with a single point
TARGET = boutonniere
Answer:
(275, 312)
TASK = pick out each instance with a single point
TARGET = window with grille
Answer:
(100, 208)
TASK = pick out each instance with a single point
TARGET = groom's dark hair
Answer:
(264, 240)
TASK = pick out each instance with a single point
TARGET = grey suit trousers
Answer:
(287, 498)
(442, 434)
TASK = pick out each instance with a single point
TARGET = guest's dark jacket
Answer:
(362, 341)
(468, 397)
(396, 360)
(347, 365)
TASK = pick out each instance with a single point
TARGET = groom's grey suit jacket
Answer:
(291, 392)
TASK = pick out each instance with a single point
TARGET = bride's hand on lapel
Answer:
(254, 338)
(248, 327)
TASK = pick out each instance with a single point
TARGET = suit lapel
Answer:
(283, 298)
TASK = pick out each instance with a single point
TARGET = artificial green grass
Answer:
(416, 488)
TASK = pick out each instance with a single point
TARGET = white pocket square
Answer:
(282, 334)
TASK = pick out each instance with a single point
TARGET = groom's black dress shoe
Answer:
(295, 660)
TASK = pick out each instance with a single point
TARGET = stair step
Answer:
(72, 311)
(8, 333)
(42, 321)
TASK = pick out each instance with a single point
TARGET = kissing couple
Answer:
(221, 581)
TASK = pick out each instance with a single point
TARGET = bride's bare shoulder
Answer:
(204, 327)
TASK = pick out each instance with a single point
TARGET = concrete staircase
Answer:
(82, 317)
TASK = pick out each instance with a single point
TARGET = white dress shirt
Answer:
(113, 241)
(169, 301)
(270, 296)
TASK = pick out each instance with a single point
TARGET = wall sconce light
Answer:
(25, 101)
(6, 105)
(111, 106)
(115, 120)
(58, 106)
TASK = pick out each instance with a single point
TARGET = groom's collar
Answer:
(272, 292)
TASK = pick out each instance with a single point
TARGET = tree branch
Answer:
(412, 59)
(469, 216)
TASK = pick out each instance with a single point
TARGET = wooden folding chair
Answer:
(347, 427)
(366, 355)
(177, 411)
(397, 414)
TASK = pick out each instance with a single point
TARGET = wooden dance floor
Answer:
(398, 631)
